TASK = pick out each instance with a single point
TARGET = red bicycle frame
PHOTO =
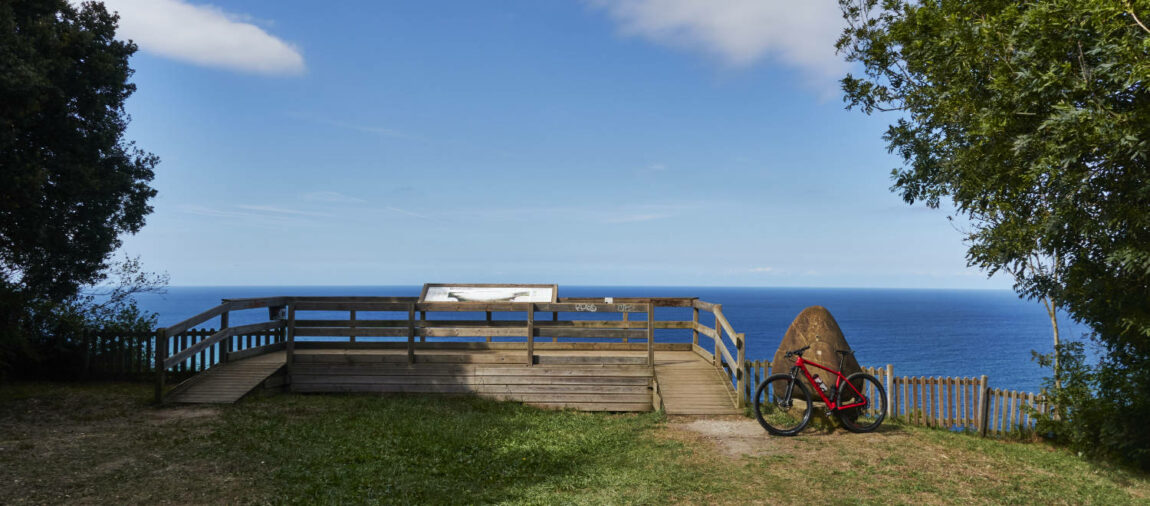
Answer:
(802, 363)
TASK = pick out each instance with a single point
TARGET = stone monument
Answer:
(816, 327)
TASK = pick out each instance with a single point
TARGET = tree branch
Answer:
(1130, 10)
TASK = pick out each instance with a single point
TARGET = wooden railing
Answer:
(945, 402)
(730, 364)
(518, 327)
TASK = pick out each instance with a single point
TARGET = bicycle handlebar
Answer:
(798, 352)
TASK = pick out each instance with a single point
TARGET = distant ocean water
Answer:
(920, 332)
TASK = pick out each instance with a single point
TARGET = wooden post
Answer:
(531, 335)
(289, 347)
(161, 355)
(489, 324)
(694, 326)
(742, 374)
(650, 334)
(226, 345)
(948, 406)
(555, 318)
(351, 316)
(715, 359)
(411, 333)
(626, 318)
(1000, 413)
(889, 380)
(983, 405)
(422, 319)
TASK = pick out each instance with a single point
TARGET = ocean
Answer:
(919, 332)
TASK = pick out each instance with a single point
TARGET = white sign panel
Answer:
(448, 293)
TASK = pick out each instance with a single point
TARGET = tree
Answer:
(1033, 119)
(70, 184)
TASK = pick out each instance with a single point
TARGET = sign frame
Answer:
(510, 288)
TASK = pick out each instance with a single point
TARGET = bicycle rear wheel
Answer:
(867, 390)
(782, 405)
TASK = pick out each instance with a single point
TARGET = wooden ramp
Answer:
(586, 381)
(689, 385)
(227, 383)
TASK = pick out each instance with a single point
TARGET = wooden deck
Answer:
(586, 380)
(596, 354)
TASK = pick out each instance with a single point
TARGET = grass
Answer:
(104, 443)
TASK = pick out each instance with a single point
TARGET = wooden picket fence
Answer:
(951, 403)
(131, 355)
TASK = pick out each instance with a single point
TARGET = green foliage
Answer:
(70, 184)
(1085, 421)
(56, 332)
(1033, 119)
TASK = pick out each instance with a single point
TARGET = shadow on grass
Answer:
(432, 449)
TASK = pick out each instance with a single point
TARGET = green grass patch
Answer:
(105, 444)
(340, 449)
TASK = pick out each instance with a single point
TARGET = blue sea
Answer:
(919, 332)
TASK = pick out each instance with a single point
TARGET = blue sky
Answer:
(648, 142)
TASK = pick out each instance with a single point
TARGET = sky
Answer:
(593, 142)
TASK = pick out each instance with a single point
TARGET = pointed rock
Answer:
(816, 327)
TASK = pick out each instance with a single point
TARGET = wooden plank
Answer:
(188, 351)
(593, 307)
(592, 333)
(488, 336)
(951, 417)
(473, 369)
(706, 355)
(351, 323)
(705, 306)
(726, 354)
(741, 345)
(476, 345)
(720, 319)
(256, 302)
(183, 326)
(706, 331)
(695, 326)
(983, 405)
(289, 347)
(330, 305)
(920, 407)
(411, 333)
(657, 301)
(634, 382)
(251, 352)
(531, 337)
(650, 335)
(998, 399)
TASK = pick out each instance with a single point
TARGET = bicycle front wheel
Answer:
(782, 405)
(869, 398)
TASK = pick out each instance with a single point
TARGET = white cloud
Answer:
(740, 32)
(282, 210)
(332, 197)
(762, 269)
(204, 35)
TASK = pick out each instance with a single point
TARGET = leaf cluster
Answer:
(1033, 119)
(70, 184)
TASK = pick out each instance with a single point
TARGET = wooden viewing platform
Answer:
(604, 356)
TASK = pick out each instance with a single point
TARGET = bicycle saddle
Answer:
(845, 352)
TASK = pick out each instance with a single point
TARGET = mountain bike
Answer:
(783, 402)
